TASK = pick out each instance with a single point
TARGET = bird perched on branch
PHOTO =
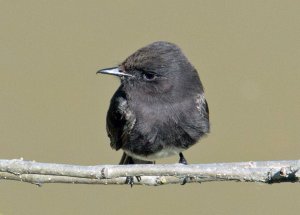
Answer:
(159, 110)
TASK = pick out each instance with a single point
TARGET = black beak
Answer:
(113, 71)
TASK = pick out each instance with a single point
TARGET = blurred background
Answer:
(53, 106)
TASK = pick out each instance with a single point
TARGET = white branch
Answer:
(260, 171)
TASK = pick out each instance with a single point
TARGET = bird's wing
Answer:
(206, 108)
(120, 120)
(197, 122)
(202, 106)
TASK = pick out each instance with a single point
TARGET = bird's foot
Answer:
(130, 180)
(183, 161)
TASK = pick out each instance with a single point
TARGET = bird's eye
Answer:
(149, 76)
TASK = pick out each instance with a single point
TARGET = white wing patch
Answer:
(127, 113)
(200, 103)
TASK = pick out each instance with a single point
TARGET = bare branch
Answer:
(40, 173)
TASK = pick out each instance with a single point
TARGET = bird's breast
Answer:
(163, 130)
(163, 153)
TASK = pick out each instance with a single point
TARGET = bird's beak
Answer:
(113, 71)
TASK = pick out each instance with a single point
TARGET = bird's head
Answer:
(157, 70)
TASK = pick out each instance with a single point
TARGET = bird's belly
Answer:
(165, 152)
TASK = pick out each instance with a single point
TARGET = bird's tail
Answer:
(130, 160)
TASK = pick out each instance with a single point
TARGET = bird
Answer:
(159, 109)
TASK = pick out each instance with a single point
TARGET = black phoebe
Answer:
(160, 109)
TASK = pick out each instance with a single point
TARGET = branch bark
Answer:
(259, 171)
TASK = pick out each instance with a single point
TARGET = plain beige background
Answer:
(53, 106)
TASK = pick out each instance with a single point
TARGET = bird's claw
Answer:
(185, 180)
(138, 178)
(182, 159)
(130, 180)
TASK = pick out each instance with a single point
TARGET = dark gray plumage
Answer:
(159, 109)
